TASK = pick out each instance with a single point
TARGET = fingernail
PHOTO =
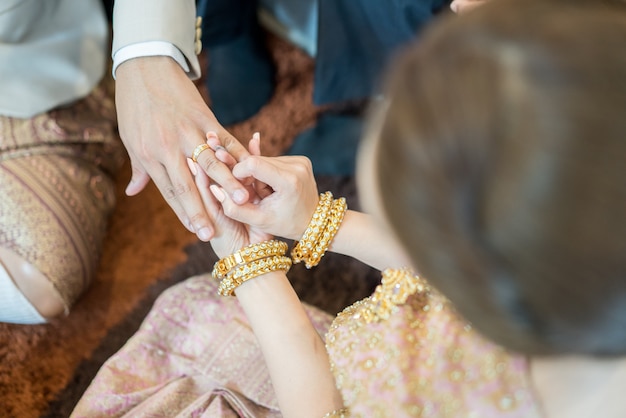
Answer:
(192, 166)
(205, 234)
(217, 192)
(239, 196)
(256, 136)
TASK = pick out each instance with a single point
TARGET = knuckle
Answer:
(210, 164)
(304, 162)
(302, 166)
(229, 210)
(169, 193)
(174, 191)
(254, 162)
(197, 219)
(181, 189)
(228, 140)
(137, 170)
(291, 180)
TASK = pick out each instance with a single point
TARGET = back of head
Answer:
(502, 169)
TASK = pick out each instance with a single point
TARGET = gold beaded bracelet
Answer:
(338, 413)
(247, 254)
(321, 230)
(253, 269)
(335, 218)
(304, 247)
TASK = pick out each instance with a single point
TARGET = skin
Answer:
(579, 386)
(162, 119)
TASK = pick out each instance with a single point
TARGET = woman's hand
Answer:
(289, 199)
(230, 235)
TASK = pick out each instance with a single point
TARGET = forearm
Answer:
(361, 237)
(294, 352)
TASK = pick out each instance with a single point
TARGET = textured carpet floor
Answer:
(44, 369)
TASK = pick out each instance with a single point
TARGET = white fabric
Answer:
(295, 21)
(149, 49)
(171, 21)
(14, 307)
(52, 52)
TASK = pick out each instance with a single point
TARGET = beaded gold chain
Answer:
(247, 254)
(248, 263)
(321, 230)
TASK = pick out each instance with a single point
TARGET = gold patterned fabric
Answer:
(404, 352)
(195, 355)
(57, 191)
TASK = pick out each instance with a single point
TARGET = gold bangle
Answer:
(251, 270)
(335, 218)
(247, 254)
(338, 413)
(305, 245)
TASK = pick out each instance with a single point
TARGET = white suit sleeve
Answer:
(155, 24)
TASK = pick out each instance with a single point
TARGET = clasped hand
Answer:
(289, 199)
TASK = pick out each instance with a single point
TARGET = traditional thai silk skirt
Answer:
(56, 188)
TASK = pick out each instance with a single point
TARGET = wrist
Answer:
(144, 64)
(266, 283)
(248, 263)
(149, 49)
(321, 230)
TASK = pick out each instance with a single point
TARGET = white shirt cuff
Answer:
(149, 49)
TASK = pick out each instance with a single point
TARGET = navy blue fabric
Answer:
(108, 8)
(331, 144)
(356, 38)
(226, 20)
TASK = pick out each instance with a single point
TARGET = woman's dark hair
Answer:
(502, 166)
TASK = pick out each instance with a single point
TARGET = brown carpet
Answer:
(45, 368)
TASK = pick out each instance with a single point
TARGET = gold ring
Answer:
(198, 150)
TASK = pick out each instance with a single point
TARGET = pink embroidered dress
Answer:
(402, 352)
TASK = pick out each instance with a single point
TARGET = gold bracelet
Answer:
(335, 218)
(320, 232)
(251, 270)
(304, 246)
(247, 254)
(338, 413)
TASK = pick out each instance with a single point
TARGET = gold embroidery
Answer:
(57, 191)
(405, 348)
(396, 286)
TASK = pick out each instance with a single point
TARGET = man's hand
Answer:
(162, 119)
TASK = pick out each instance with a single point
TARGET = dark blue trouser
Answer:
(356, 38)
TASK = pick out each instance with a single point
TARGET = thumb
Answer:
(261, 168)
(138, 180)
